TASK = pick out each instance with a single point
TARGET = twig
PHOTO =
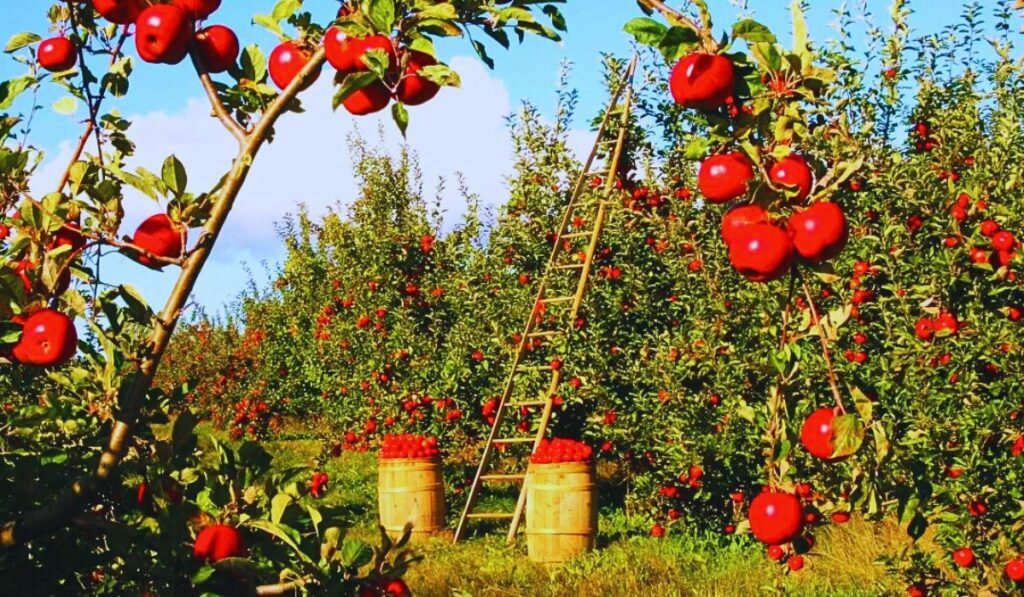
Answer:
(284, 588)
(219, 111)
(824, 349)
(674, 16)
(90, 127)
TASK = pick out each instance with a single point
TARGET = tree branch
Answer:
(94, 109)
(824, 349)
(678, 18)
(284, 588)
(73, 500)
(219, 111)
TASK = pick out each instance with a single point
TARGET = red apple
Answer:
(48, 339)
(964, 557)
(197, 9)
(162, 34)
(796, 563)
(341, 51)
(286, 60)
(397, 588)
(817, 434)
(346, 54)
(70, 234)
(372, 98)
(725, 177)
(740, 216)
(793, 173)
(219, 541)
(819, 232)
(1015, 570)
(657, 531)
(775, 517)
(1003, 241)
(413, 89)
(702, 81)
(57, 54)
(989, 228)
(761, 252)
(218, 47)
(161, 237)
(122, 12)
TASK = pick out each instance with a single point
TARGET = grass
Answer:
(683, 563)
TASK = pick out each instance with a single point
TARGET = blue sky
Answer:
(461, 131)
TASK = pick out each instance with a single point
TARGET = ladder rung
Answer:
(528, 403)
(490, 515)
(502, 477)
(545, 334)
(557, 299)
(578, 234)
(569, 266)
(513, 440)
(530, 368)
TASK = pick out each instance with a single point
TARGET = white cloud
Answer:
(462, 130)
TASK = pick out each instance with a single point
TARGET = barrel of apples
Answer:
(411, 486)
(561, 501)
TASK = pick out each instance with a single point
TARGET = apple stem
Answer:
(831, 373)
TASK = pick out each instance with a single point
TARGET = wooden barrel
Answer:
(411, 490)
(561, 511)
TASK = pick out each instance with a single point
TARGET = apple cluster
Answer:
(163, 32)
(558, 450)
(407, 445)
(348, 57)
(318, 484)
(760, 248)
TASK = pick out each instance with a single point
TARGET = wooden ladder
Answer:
(587, 195)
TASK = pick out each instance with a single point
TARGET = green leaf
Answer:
(174, 176)
(138, 309)
(381, 14)
(238, 567)
(278, 505)
(253, 64)
(677, 42)
(10, 90)
(697, 148)
(20, 40)
(203, 574)
(378, 62)
(444, 10)
(441, 74)
(753, 32)
(800, 42)
(282, 10)
(286, 534)
(646, 31)
(557, 20)
(355, 554)
(848, 435)
(481, 52)
(401, 116)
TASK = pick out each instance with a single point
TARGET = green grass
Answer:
(683, 563)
